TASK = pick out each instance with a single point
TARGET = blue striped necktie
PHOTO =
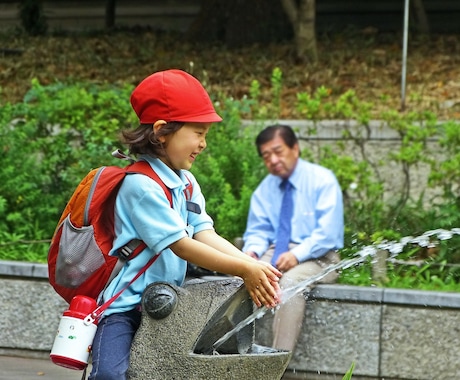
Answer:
(283, 237)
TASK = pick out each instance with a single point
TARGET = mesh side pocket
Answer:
(79, 256)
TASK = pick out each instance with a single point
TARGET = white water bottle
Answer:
(75, 334)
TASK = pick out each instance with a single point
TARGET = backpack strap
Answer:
(143, 167)
(191, 206)
(136, 246)
(188, 189)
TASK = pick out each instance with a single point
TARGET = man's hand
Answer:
(286, 261)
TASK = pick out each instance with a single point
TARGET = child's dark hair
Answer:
(270, 132)
(144, 140)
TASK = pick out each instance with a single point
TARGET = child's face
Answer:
(185, 145)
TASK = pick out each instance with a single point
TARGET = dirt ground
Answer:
(367, 62)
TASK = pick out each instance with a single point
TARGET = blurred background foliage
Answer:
(60, 131)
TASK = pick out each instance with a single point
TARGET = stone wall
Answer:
(388, 333)
(378, 142)
(30, 310)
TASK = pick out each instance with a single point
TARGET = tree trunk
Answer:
(240, 23)
(420, 16)
(306, 34)
(302, 18)
(32, 17)
(110, 7)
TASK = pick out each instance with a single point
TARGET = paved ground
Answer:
(14, 368)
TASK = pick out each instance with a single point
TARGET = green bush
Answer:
(49, 142)
(61, 131)
(229, 170)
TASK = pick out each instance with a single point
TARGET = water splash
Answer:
(394, 247)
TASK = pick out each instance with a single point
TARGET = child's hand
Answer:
(261, 281)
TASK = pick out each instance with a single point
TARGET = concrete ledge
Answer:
(387, 296)
(388, 333)
(21, 269)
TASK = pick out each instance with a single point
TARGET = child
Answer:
(175, 114)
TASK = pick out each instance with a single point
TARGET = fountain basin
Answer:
(179, 345)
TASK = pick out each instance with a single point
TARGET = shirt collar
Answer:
(294, 177)
(171, 179)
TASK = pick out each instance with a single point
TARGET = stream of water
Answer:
(393, 247)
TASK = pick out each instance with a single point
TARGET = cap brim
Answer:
(208, 118)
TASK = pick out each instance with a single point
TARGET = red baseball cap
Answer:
(172, 95)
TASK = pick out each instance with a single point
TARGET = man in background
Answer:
(295, 222)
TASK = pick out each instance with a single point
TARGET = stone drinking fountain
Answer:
(181, 324)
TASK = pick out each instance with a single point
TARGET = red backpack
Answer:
(78, 258)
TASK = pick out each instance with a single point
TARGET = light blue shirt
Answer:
(317, 222)
(143, 212)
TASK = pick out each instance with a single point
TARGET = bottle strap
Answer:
(90, 318)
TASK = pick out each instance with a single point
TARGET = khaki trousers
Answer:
(288, 318)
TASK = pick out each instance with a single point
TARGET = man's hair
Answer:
(270, 132)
